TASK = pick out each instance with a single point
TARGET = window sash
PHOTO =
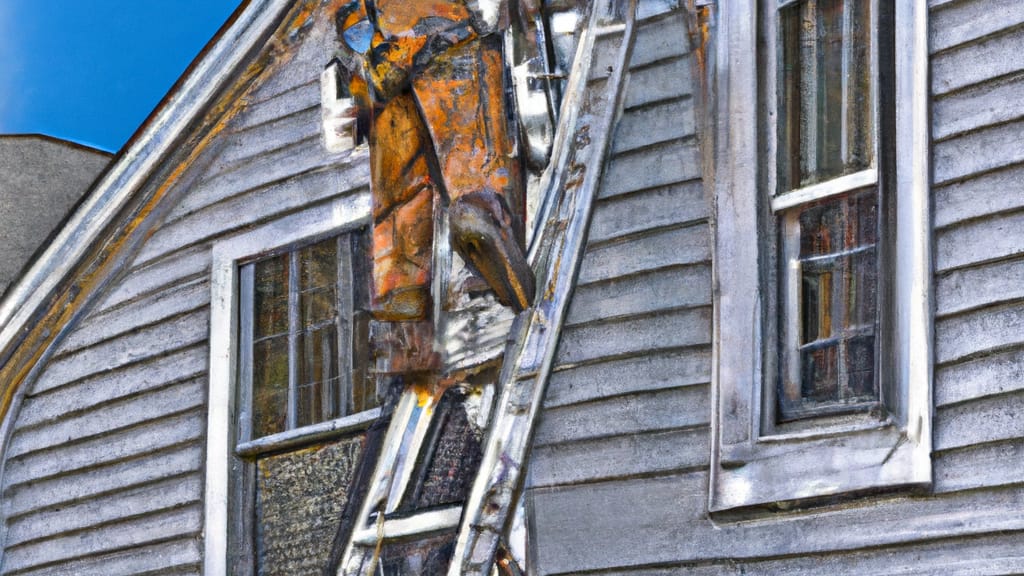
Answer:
(785, 205)
(338, 393)
(781, 198)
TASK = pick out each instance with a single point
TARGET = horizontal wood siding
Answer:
(978, 155)
(104, 469)
(620, 465)
(628, 399)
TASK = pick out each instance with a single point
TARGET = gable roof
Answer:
(123, 203)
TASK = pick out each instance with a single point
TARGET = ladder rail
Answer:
(576, 174)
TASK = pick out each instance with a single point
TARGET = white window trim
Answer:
(337, 216)
(749, 468)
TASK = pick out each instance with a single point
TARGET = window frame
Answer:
(759, 466)
(783, 305)
(227, 498)
(249, 444)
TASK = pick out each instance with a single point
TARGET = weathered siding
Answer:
(620, 466)
(104, 468)
(629, 398)
(978, 154)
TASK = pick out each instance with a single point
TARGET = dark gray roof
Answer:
(41, 179)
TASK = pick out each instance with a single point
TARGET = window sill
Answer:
(782, 474)
(309, 434)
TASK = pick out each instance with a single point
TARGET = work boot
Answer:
(481, 233)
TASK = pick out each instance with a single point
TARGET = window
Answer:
(827, 200)
(303, 360)
(290, 391)
(823, 338)
(303, 334)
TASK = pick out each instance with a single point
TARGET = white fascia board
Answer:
(135, 166)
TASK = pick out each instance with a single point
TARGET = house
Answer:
(779, 324)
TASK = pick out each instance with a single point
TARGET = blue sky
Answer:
(92, 70)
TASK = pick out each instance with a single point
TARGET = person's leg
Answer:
(403, 219)
(461, 95)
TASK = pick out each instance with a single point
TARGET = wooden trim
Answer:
(309, 434)
(823, 190)
(753, 465)
(320, 221)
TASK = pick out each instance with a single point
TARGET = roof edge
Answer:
(137, 161)
(58, 141)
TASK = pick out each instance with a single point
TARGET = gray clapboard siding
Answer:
(978, 152)
(987, 104)
(658, 39)
(660, 81)
(308, 58)
(979, 466)
(971, 288)
(181, 556)
(109, 479)
(985, 240)
(650, 372)
(642, 169)
(963, 21)
(168, 494)
(635, 335)
(632, 455)
(93, 391)
(169, 430)
(979, 332)
(630, 414)
(988, 555)
(660, 520)
(111, 417)
(626, 215)
(140, 344)
(989, 419)
(660, 249)
(654, 124)
(153, 277)
(662, 289)
(264, 202)
(985, 376)
(294, 99)
(976, 62)
(131, 533)
(998, 191)
(275, 167)
(177, 299)
(261, 139)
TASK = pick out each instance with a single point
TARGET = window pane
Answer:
(318, 375)
(271, 294)
(318, 282)
(300, 497)
(418, 557)
(455, 454)
(837, 307)
(319, 384)
(819, 374)
(364, 384)
(825, 125)
(270, 385)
